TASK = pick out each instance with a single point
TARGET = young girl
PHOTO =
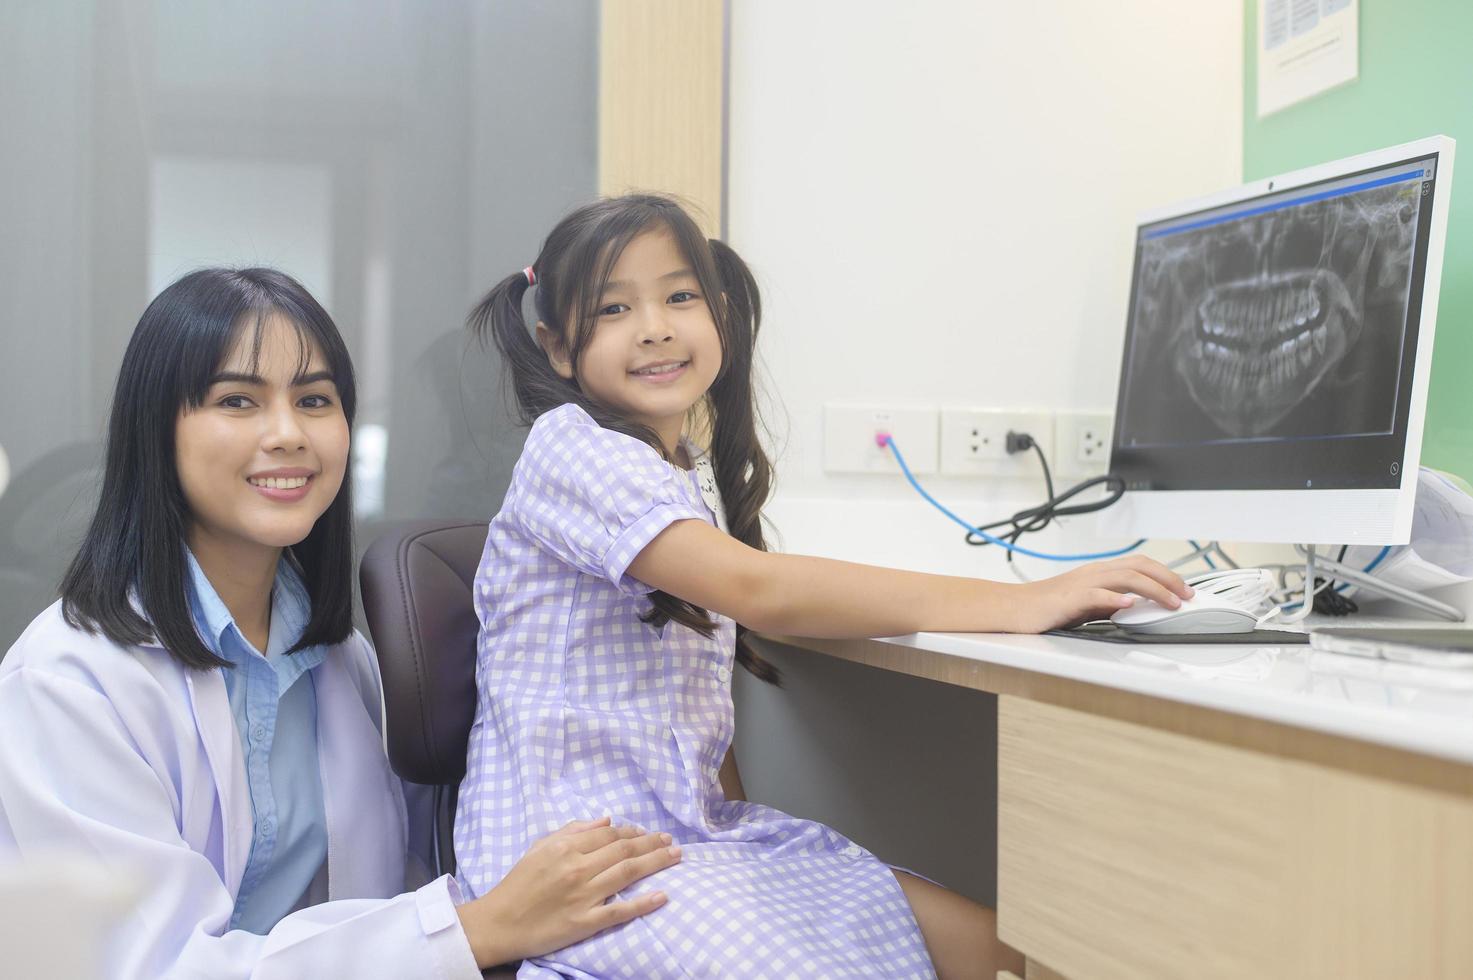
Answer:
(610, 592)
(198, 713)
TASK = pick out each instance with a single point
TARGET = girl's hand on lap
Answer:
(557, 893)
(1096, 591)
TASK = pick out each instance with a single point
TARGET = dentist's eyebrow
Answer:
(236, 377)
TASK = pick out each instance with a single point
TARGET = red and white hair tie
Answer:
(531, 276)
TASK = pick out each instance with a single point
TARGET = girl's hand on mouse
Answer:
(1096, 591)
(557, 893)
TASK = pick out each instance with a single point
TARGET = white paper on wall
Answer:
(1304, 48)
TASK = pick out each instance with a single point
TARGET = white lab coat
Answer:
(123, 755)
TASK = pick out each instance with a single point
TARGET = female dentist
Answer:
(197, 712)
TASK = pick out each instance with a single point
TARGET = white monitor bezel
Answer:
(1381, 516)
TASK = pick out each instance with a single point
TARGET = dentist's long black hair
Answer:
(128, 580)
(571, 271)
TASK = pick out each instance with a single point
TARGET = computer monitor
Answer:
(1277, 350)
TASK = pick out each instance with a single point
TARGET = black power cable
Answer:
(1034, 519)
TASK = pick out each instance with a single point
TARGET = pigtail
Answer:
(743, 471)
(498, 320)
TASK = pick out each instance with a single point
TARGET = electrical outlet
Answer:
(1082, 441)
(849, 444)
(974, 441)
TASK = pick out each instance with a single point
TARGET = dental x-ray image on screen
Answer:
(1275, 321)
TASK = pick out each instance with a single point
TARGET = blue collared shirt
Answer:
(275, 710)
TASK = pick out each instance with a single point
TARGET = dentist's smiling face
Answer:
(265, 453)
(655, 350)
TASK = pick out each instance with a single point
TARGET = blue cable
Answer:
(1385, 550)
(1207, 558)
(895, 450)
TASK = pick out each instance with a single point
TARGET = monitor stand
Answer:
(1372, 584)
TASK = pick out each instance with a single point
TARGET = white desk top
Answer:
(1420, 709)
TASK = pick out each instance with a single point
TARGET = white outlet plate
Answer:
(1082, 444)
(974, 442)
(849, 438)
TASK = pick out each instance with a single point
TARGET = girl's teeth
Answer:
(280, 483)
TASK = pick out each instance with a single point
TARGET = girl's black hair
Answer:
(128, 581)
(572, 270)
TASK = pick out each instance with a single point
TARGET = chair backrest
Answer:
(417, 581)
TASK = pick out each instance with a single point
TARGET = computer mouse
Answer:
(1225, 601)
(1194, 616)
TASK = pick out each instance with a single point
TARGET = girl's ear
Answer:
(557, 354)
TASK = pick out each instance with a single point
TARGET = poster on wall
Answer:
(1304, 48)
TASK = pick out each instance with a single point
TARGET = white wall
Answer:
(939, 198)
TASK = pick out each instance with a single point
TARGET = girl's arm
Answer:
(776, 593)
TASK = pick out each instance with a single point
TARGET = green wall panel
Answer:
(1416, 79)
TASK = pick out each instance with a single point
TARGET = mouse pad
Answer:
(1110, 633)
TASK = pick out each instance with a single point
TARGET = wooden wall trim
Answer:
(661, 99)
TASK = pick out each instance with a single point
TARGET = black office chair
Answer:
(417, 581)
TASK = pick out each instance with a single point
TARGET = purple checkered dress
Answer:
(583, 710)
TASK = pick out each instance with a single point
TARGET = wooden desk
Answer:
(1219, 811)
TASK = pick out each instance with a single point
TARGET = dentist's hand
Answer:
(556, 894)
(1096, 591)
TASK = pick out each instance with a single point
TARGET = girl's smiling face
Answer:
(264, 455)
(654, 351)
